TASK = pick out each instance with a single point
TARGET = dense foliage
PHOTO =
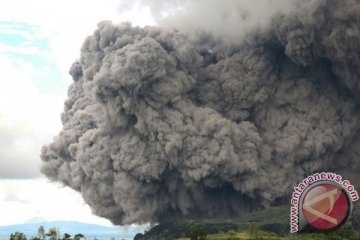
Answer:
(52, 234)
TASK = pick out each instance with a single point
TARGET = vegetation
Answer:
(271, 223)
(41, 233)
(51, 234)
(196, 233)
(262, 235)
(18, 236)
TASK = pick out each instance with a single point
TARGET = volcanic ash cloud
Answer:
(159, 125)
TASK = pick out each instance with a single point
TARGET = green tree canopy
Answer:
(66, 236)
(18, 236)
(195, 233)
(79, 236)
(53, 234)
(41, 233)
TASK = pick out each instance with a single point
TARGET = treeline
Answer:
(51, 234)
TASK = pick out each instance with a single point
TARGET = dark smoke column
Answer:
(157, 127)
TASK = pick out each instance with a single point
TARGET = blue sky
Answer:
(23, 43)
(39, 40)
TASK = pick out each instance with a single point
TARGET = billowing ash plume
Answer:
(160, 127)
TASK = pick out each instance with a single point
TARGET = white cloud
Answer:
(22, 200)
(28, 116)
(66, 23)
(27, 119)
(6, 49)
(34, 78)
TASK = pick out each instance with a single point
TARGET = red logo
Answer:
(325, 206)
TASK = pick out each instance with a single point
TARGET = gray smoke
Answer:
(160, 125)
(230, 19)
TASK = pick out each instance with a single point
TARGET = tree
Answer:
(35, 238)
(53, 233)
(79, 236)
(232, 235)
(66, 236)
(18, 236)
(41, 233)
(138, 236)
(195, 233)
(253, 229)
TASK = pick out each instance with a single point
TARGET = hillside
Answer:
(274, 220)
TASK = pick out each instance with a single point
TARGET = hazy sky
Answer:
(39, 40)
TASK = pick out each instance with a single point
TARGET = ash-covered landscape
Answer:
(199, 125)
